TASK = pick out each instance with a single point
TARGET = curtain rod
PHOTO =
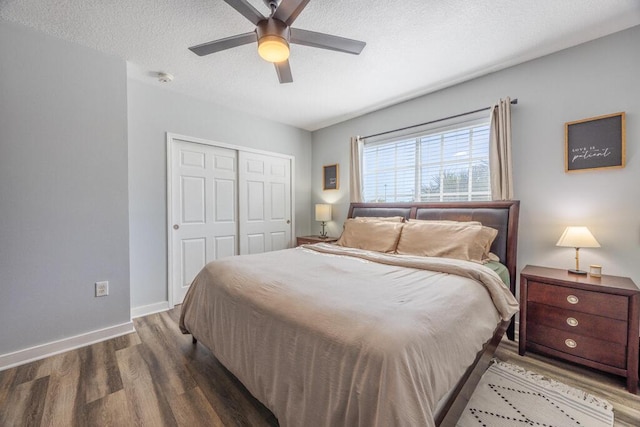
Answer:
(514, 102)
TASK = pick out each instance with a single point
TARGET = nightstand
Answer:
(309, 240)
(593, 321)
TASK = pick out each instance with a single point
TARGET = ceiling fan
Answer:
(274, 34)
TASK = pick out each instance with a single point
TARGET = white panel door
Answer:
(264, 188)
(203, 220)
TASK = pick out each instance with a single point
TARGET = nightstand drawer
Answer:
(310, 240)
(585, 347)
(304, 241)
(606, 305)
(576, 322)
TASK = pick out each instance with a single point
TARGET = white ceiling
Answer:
(413, 46)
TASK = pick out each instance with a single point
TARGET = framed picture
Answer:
(595, 143)
(330, 177)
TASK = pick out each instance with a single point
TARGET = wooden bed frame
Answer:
(501, 215)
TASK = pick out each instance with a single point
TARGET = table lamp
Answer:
(323, 214)
(577, 237)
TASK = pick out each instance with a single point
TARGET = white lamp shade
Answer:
(323, 212)
(578, 237)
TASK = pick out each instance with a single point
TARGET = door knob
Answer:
(288, 221)
(176, 226)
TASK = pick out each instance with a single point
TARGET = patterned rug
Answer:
(508, 396)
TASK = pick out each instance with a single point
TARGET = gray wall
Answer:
(83, 184)
(63, 189)
(592, 79)
(155, 110)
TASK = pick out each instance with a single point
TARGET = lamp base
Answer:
(323, 234)
(581, 272)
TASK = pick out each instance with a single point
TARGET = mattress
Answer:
(331, 336)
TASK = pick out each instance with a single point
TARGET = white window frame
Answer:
(419, 164)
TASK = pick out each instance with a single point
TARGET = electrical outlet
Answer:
(102, 289)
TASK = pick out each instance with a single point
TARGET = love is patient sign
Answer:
(595, 143)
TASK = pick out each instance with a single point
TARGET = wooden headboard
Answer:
(501, 215)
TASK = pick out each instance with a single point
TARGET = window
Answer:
(437, 166)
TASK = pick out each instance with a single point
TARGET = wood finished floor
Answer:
(157, 377)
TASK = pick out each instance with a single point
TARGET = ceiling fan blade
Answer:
(289, 10)
(326, 41)
(246, 10)
(284, 71)
(223, 44)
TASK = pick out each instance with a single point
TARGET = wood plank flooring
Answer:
(157, 377)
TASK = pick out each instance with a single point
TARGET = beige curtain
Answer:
(355, 173)
(500, 151)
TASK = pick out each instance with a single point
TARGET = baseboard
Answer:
(38, 352)
(145, 310)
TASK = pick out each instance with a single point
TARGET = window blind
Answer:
(448, 165)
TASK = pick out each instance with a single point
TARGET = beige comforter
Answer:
(330, 336)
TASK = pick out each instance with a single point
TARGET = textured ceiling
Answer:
(413, 46)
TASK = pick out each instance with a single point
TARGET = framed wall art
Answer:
(595, 143)
(330, 177)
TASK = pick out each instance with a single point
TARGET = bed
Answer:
(331, 335)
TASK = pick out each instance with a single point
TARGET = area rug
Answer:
(509, 395)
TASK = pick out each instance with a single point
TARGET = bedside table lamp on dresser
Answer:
(323, 214)
(593, 321)
(578, 237)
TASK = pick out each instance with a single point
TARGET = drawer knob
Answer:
(572, 299)
(571, 321)
(570, 343)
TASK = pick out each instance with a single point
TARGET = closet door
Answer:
(203, 210)
(264, 189)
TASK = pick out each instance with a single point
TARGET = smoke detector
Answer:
(164, 77)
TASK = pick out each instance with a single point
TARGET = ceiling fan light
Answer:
(273, 49)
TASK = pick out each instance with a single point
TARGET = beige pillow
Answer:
(380, 218)
(446, 239)
(379, 236)
(487, 256)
